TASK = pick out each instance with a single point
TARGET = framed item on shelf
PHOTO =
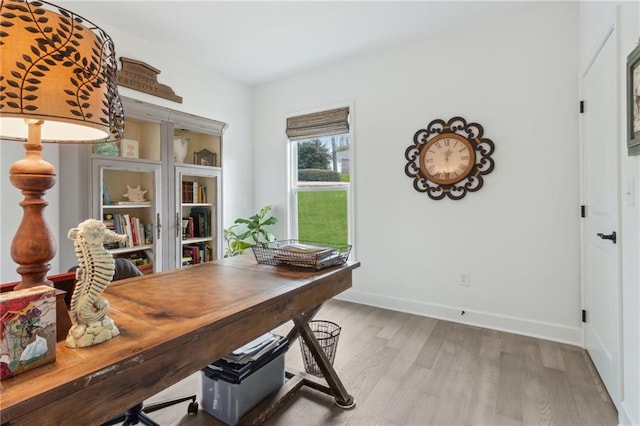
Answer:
(204, 158)
(633, 102)
(129, 148)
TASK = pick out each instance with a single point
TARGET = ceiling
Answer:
(256, 42)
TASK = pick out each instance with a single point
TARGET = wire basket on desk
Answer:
(298, 254)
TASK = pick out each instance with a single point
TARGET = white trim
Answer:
(624, 418)
(597, 52)
(526, 327)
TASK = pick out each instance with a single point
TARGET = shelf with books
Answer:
(138, 219)
(195, 253)
(198, 214)
(137, 231)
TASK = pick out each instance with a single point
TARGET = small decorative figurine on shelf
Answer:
(95, 271)
(135, 194)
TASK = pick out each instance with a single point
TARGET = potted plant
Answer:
(247, 232)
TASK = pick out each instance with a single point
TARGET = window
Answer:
(320, 179)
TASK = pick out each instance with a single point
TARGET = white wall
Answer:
(519, 236)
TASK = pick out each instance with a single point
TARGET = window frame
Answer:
(293, 188)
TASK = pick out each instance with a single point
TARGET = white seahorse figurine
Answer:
(95, 271)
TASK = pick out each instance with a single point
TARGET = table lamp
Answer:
(57, 84)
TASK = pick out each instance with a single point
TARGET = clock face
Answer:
(449, 158)
(446, 159)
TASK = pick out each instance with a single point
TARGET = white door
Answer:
(601, 283)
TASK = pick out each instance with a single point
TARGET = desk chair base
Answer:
(136, 414)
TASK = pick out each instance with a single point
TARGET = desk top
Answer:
(172, 324)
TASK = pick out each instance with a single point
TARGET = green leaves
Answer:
(247, 232)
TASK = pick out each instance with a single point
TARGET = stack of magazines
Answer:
(242, 362)
(254, 350)
(308, 256)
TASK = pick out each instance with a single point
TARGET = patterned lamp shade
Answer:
(60, 68)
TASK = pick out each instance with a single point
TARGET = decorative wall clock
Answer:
(449, 159)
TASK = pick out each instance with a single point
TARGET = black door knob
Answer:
(611, 236)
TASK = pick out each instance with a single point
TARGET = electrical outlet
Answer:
(463, 278)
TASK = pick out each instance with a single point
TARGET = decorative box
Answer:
(27, 329)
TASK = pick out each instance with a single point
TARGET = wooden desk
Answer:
(172, 324)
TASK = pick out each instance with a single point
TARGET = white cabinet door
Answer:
(141, 219)
(197, 224)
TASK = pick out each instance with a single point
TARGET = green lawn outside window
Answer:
(322, 216)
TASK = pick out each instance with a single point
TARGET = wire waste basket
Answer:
(327, 334)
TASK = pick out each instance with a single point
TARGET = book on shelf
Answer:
(197, 252)
(110, 223)
(209, 252)
(127, 229)
(188, 228)
(187, 192)
(138, 233)
(193, 192)
(118, 227)
(193, 252)
(201, 221)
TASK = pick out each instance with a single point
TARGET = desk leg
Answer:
(343, 399)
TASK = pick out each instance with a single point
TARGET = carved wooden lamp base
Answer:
(34, 244)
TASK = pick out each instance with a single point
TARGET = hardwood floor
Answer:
(405, 369)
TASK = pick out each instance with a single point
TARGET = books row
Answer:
(138, 233)
(198, 224)
(193, 254)
(193, 192)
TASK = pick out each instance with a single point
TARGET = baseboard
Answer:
(624, 419)
(539, 329)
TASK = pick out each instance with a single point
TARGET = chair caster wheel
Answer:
(193, 408)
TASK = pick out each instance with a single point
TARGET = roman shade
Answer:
(318, 124)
